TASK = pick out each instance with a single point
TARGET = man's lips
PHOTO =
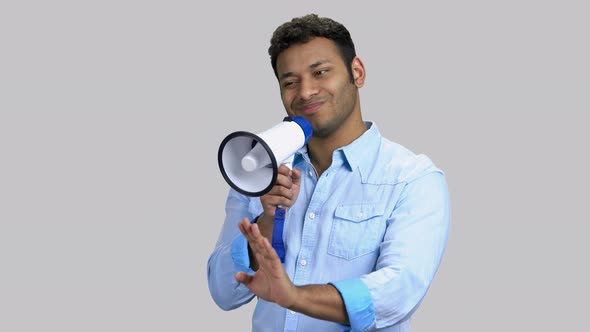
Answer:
(310, 108)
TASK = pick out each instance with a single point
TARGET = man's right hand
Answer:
(283, 193)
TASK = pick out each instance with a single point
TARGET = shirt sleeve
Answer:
(410, 254)
(230, 256)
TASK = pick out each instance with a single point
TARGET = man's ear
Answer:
(358, 72)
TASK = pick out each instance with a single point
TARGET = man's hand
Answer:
(270, 282)
(284, 193)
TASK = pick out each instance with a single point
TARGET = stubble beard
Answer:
(341, 114)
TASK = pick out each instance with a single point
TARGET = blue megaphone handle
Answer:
(277, 233)
(279, 218)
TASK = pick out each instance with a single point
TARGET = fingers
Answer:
(252, 233)
(278, 196)
(285, 190)
(259, 245)
(244, 225)
(270, 268)
(267, 254)
(284, 177)
(246, 229)
(296, 177)
(288, 177)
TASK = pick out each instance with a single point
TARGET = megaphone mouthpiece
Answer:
(249, 163)
(256, 158)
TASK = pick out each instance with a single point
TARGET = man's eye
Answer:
(321, 72)
(288, 84)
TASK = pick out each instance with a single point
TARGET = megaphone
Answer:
(249, 163)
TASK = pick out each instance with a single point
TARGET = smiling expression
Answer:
(315, 83)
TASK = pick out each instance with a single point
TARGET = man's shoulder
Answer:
(395, 163)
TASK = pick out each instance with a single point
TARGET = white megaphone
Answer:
(249, 163)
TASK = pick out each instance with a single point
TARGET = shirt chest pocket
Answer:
(357, 230)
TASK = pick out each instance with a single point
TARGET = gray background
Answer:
(111, 114)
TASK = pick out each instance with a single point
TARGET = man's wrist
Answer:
(253, 261)
(265, 219)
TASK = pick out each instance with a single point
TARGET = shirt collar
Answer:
(360, 153)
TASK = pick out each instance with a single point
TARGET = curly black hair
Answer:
(304, 28)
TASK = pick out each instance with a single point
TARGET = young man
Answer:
(367, 220)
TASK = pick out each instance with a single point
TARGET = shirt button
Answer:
(359, 215)
(311, 216)
(292, 312)
(310, 173)
(303, 262)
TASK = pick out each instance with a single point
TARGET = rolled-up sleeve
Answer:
(358, 303)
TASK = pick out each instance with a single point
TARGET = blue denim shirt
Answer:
(375, 225)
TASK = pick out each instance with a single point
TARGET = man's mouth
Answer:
(310, 108)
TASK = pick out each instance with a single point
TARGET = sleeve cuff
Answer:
(239, 254)
(358, 303)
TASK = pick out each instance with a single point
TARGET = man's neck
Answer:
(320, 149)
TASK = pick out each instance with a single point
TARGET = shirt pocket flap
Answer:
(359, 212)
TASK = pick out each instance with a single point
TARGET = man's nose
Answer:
(308, 88)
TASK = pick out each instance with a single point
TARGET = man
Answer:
(367, 220)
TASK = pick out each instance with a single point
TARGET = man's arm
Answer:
(271, 283)
(409, 256)
(322, 302)
(284, 193)
(229, 256)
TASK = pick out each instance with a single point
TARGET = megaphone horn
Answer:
(249, 163)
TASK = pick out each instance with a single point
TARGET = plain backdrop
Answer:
(111, 114)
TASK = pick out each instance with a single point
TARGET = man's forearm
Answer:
(321, 302)
(265, 225)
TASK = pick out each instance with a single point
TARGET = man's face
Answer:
(315, 83)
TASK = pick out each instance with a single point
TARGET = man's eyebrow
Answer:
(285, 75)
(312, 66)
(319, 63)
